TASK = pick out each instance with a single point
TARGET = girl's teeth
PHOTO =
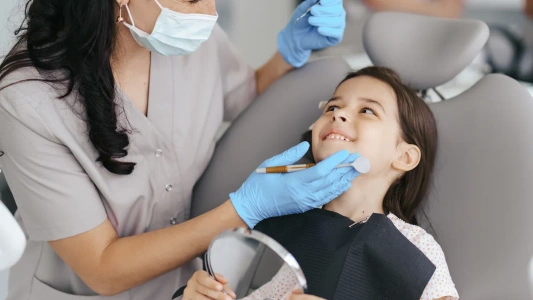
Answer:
(338, 137)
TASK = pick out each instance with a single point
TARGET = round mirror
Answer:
(250, 260)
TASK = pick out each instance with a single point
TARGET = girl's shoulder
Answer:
(421, 239)
(441, 284)
(416, 234)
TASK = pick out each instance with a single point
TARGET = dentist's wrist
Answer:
(248, 220)
(271, 71)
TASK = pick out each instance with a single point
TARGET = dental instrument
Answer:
(361, 165)
(306, 12)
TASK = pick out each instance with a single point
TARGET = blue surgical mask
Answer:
(174, 33)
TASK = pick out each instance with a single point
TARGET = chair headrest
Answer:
(480, 203)
(425, 51)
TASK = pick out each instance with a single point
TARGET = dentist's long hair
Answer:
(417, 123)
(70, 43)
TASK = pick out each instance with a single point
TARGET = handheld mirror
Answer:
(249, 259)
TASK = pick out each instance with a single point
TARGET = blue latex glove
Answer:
(264, 196)
(321, 28)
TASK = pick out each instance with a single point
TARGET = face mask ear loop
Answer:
(160, 6)
(131, 18)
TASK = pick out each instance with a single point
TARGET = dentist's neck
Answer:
(364, 198)
(128, 56)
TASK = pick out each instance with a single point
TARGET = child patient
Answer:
(372, 114)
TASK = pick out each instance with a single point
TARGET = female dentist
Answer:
(108, 115)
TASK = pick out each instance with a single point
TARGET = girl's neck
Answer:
(364, 198)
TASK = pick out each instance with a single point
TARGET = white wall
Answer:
(10, 17)
(3, 284)
(507, 4)
(253, 25)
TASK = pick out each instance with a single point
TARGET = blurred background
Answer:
(252, 25)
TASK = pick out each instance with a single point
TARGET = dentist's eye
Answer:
(367, 110)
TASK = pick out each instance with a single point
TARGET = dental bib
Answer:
(343, 261)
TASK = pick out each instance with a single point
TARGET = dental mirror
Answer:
(249, 259)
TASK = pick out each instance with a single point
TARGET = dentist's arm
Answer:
(110, 264)
(322, 27)
(12, 239)
(439, 8)
(274, 69)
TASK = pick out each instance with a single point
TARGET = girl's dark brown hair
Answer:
(418, 127)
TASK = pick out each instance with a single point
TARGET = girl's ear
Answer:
(408, 157)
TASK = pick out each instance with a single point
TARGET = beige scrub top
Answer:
(61, 191)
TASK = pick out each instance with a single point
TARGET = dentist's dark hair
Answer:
(70, 42)
(417, 123)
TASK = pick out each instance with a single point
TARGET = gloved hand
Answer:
(265, 196)
(321, 28)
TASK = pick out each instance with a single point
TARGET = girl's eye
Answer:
(194, 1)
(368, 111)
(332, 108)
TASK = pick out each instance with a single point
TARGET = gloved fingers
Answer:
(334, 33)
(327, 22)
(288, 157)
(331, 2)
(335, 190)
(323, 168)
(336, 174)
(351, 158)
(304, 6)
(334, 177)
(328, 11)
(341, 186)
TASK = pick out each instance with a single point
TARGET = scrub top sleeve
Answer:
(238, 78)
(55, 197)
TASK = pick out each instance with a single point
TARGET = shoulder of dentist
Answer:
(127, 235)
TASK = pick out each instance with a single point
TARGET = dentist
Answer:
(108, 116)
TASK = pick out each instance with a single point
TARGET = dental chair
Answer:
(481, 200)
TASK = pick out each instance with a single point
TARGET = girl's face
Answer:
(362, 117)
